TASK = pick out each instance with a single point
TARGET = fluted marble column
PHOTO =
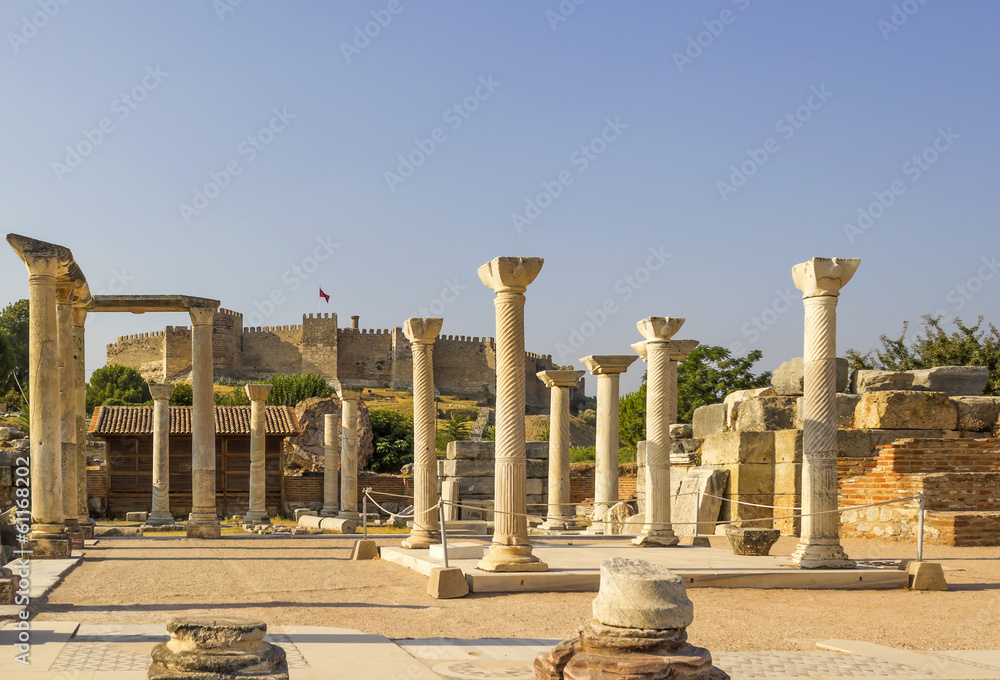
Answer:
(820, 280)
(608, 369)
(204, 519)
(662, 355)
(256, 512)
(48, 538)
(331, 463)
(160, 512)
(67, 411)
(349, 454)
(509, 278)
(422, 332)
(560, 514)
(80, 380)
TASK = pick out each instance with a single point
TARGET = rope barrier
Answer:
(399, 515)
(755, 505)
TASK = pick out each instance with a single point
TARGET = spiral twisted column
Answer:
(331, 465)
(820, 281)
(160, 512)
(257, 512)
(204, 519)
(560, 512)
(509, 278)
(349, 455)
(422, 332)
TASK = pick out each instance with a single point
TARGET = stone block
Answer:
(846, 404)
(787, 380)
(684, 447)
(469, 450)
(734, 399)
(750, 478)
(700, 541)
(135, 516)
(203, 530)
(466, 467)
(751, 540)
(365, 549)
(734, 511)
(697, 503)
(787, 446)
(5, 476)
(854, 444)
(906, 410)
(787, 505)
(708, 420)
(536, 450)
(681, 431)
(977, 414)
(638, 594)
(450, 496)
(738, 447)
(864, 381)
(926, 576)
(766, 413)
(883, 437)
(538, 469)
(10, 433)
(475, 486)
(956, 381)
(477, 510)
(447, 583)
(787, 479)
(458, 551)
(535, 487)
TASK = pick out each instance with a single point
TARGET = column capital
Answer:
(79, 315)
(422, 330)
(608, 364)
(349, 393)
(659, 328)
(258, 391)
(64, 291)
(161, 391)
(824, 276)
(640, 349)
(201, 315)
(560, 377)
(681, 349)
(510, 274)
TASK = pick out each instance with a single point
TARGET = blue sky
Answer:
(669, 159)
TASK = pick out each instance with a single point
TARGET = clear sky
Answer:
(666, 159)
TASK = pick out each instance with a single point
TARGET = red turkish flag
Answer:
(324, 296)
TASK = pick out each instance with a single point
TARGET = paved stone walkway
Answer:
(69, 651)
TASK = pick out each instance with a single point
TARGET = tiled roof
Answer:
(117, 420)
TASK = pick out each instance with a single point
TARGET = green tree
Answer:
(392, 435)
(8, 364)
(289, 390)
(456, 428)
(183, 395)
(708, 374)
(14, 323)
(967, 346)
(116, 385)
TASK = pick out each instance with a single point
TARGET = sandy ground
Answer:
(312, 582)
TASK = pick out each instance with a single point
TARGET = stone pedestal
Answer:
(510, 551)
(257, 513)
(641, 614)
(820, 280)
(422, 332)
(204, 519)
(561, 512)
(214, 648)
(349, 455)
(331, 464)
(608, 369)
(160, 515)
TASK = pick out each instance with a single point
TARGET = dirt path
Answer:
(312, 582)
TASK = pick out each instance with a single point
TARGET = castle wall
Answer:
(143, 352)
(364, 357)
(176, 357)
(227, 343)
(462, 364)
(272, 349)
(319, 345)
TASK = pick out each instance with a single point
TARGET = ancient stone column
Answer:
(160, 512)
(80, 380)
(608, 369)
(509, 278)
(331, 463)
(204, 520)
(67, 410)
(560, 512)
(349, 454)
(422, 332)
(662, 356)
(820, 280)
(256, 512)
(48, 538)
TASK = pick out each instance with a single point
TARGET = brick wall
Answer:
(307, 491)
(581, 482)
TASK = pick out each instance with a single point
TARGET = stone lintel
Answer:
(140, 304)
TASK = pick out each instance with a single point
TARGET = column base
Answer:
(510, 558)
(87, 524)
(332, 511)
(349, 514)
(819, 556)
(47, 546)
(255, 517)
(421, 540)
(203, 525)
(663, 539)
(76, 537)
(158, 518)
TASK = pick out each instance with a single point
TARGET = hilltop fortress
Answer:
(356, 357)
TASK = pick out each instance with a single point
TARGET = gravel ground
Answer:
(312, 582)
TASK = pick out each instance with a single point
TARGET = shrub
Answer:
(588, 416)
(115, 385)
(183, 395)
(392, 434)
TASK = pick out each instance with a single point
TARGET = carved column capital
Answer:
(202, 315)
(560, 378)
(422, 330)
(510, 274)
(824, 276)
(161, 391)
(608, 364)
(660, 328)
(258, 392)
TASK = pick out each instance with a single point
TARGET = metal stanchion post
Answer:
(444, 533)
(920, 530)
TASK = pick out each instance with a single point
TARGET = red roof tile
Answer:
(117, 420)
